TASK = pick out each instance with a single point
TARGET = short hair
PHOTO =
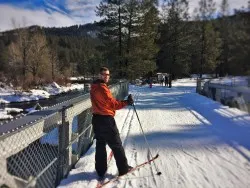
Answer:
(103, 69)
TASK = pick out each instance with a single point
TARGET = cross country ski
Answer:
(102, 184)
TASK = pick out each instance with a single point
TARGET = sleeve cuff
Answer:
(125, 101)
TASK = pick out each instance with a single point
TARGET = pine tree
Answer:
(224, 28)
(142, 34)
(3, 57)
(239, 48)
(129, 30)
(209, 40)
(175, 39)
(111, 33)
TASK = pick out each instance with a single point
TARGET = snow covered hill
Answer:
(200, 142)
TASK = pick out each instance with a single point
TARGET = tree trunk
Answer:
(120, 38)
(24, 67)
(202, 49)
(52, 71)
(129, 32)
(170, 81)
(34, 75)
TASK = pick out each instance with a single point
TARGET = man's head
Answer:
(104, 74)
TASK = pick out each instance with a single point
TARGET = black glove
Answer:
(130, 100)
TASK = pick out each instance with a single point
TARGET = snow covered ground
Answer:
(200, 142)
(8, 95)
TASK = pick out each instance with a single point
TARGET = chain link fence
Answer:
(41, 153)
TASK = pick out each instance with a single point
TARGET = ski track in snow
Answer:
(200, 142)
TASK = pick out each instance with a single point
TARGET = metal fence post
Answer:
(198, 86)
(84, 120)
(86, 87)
(126, 88)
(63, 136)
(69, 146)
(5, 180)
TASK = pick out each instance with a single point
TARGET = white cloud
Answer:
(233, 4)
(49, 4)
(83, 8)
(75, 4)
(33, 17)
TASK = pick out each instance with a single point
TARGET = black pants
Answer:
(106, 132)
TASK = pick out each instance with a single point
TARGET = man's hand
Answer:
(130, 100)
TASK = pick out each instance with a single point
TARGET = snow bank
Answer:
(4, 115)
(40, 93)
(232, 80)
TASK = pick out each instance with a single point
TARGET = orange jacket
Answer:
(102, 100)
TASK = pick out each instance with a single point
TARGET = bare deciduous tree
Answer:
(38, 62)
(29, 57)
(54, 63)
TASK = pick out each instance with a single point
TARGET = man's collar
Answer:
(98, 81)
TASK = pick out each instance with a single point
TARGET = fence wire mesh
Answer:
(42, 153)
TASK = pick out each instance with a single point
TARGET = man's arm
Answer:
(110, 100)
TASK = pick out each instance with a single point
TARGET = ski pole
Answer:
(158, 172)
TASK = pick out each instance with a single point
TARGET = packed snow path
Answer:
(200, 142)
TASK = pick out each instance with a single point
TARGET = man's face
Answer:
(104, 75)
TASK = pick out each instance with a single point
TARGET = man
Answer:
(104, 125)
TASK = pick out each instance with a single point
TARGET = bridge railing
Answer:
(40, 153)
(233, 95)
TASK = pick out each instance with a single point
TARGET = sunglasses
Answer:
(103, 74)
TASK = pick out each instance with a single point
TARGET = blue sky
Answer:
(37, 4)
(57, 13)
